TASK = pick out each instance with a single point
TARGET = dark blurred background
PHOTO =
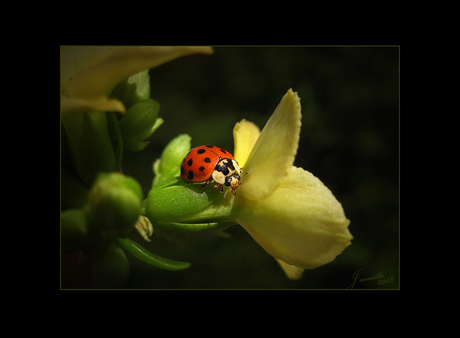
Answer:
(349, 140)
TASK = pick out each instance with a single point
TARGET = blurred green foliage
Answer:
(349, 140)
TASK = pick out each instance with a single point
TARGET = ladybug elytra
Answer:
(211, 163)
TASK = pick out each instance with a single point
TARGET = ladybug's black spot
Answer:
(224, 167)
(230, 165)
(190, 175)
(190, 162)
(201, 168)
(224, 170)
(209, 146)
(207, 160)
(181, 170)
(222, 150)
(201, 151)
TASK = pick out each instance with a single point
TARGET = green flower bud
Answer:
(139, 123)
(78, 233)
(177, 206)
(115, 202)
(134, 89)
(168, 165)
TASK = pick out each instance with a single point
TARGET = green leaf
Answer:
(148, 257)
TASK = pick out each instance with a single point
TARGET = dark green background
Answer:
(349, 140)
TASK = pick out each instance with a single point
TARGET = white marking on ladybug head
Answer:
(218, 177)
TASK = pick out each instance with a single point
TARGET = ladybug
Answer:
(208, 163)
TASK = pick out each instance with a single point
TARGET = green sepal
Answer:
(139, 123)
(168, 165)
(115, 202)
(177, 206)
(173, 200)
(113, 126)
(134, 89)
(192, 227)
(148, 257)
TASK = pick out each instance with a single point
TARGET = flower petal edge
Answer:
(301, 223)
(245, 135)
(275, 149)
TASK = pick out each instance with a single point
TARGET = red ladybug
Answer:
(208, 163)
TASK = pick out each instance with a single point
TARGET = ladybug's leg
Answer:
(233, 192)
(219, 186)
(206, 183)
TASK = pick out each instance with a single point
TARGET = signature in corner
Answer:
(379, 276)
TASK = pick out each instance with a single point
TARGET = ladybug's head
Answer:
(233, 181)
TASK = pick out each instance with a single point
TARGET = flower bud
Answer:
(134, 89)
(168, 165)
(115, 202)
(139, 123)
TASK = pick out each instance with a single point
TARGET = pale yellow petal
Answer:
(301, 223)
(291, 271)
(92, 72)
(74, 58)
(245, 135)
(274, 152)
(91, 104)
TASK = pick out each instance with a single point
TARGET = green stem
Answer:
(150, 258)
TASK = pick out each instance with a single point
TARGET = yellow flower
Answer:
(286, 209)
(89, 74)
